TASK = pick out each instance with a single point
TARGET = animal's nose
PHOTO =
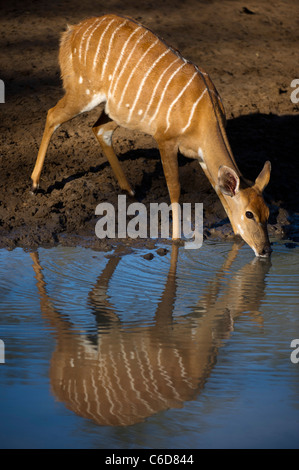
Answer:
(266, 251)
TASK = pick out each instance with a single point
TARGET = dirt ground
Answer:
(250, 49)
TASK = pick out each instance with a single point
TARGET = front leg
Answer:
(169, 158)
(103, 130)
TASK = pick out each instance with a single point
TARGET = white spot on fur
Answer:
(88, 92)
(241, 231)
(255, 252)
(107, 138)
(203, 165)
(200, 153)
(127, 105)
(80, 79)
(95, 101)
(140, 112)
(110, 78)
(100, 132)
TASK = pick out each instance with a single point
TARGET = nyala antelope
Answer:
(148, 86)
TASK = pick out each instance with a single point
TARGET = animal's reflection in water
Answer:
(128, 374)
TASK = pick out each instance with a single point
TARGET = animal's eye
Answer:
(249, 214)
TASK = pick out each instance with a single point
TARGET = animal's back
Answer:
(146, 84)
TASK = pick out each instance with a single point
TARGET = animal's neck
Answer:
(214, 153)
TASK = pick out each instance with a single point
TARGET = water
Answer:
(187, 350)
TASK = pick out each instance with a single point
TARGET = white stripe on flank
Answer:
(154, 384)
(143, 81)
(83, 37)
(90, 36)
(164, 91)
(177, 98)
(133, 71)
(100, 43)
(184, 374)
(128, 59)
(168, 378)
(193, 110)
(156, 87)
(81, 27)
(117, 387)
(121, 55)
(96, 395)
(109, 47)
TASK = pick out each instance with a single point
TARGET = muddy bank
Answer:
(251, 54)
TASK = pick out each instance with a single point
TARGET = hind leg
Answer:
(103, 130)
(64, 110)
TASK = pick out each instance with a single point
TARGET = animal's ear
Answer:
(264, 177)
(228, 181)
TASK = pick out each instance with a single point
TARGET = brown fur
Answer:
(185, 111)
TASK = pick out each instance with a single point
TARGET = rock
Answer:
(291, 245)
(148, 256)
(162, 251)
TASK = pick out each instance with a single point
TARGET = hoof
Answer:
(34, 189)
(128, 192)
(131, 193)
